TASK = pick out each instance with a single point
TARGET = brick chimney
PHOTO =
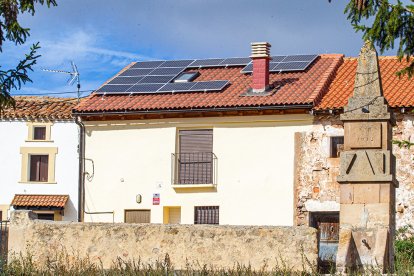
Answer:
(260, 56)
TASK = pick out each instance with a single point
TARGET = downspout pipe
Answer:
(81, 152)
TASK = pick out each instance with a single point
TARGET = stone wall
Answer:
(316, 189)
(220, 246)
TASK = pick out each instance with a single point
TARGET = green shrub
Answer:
(404, 250)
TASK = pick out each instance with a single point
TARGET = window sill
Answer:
(192, 186)
(35, 182)
(48, 141)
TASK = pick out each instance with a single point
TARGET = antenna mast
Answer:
(74, 76)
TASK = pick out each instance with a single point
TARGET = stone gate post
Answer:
(367, 173)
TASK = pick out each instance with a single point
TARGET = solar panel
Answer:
(157, 79)
(177, 87)
(286, 63)
(209, 85)
(248, 68)
(125, 80)
(277, 58)
(136, 72)
(113, 88)
(147, 88)
(157, 76)
(300, 58)
(148, 64)
(292, 66)
(177, 63)
(166, 71)
(235, 61)
(273, 65)
(207, 62)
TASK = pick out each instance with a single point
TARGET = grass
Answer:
(63, 264)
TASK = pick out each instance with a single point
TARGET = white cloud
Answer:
(83, 48)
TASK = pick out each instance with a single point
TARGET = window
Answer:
(337, 145)
(137, 216)
(39, 167)
(46, 216)
(206, 215)
(186, 77)
(39, 133)
(38, 164)
(195, 157)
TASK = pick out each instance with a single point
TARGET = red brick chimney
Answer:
(260, 56)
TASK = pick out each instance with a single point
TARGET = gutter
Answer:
(214, 109)
(81, 151)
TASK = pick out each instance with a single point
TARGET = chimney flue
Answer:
(260, 56)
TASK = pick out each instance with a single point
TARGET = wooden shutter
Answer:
(39, 133)
(196, 156)
(137, 216)
(200, 140)
(34, 167)
(39, 167)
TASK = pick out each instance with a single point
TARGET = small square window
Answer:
(39, 133)
(337, 146)
(186, 77)
(39, 168)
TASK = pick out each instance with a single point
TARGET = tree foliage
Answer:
(386, 23)
(11, 30)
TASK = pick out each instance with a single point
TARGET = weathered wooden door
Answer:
(137, 216)
(327, 224)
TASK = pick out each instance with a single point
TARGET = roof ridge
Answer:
(325, 79)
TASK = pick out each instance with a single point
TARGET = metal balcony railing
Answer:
(194, 168)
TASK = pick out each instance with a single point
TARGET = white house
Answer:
(39, 158)
(200, 141)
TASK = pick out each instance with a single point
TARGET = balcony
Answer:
(194, 170)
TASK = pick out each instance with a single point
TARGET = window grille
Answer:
(206, 215)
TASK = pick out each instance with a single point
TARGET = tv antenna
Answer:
(74, 76)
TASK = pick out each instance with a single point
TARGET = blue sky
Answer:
(102, 36)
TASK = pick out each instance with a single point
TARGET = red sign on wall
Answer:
(156, 199)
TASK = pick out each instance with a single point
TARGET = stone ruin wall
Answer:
(316, 189)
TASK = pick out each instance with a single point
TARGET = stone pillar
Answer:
(367, 173)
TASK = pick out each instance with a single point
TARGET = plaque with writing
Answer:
(364, 135)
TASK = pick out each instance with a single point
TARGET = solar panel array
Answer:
(150, 77)
(286, 63)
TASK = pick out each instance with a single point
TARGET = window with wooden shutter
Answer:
(206, 215)
(195, 157)
(39, 133)
(137, 216)
(39, 168)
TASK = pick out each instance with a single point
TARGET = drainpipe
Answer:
(81, 150)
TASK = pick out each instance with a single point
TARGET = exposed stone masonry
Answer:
(316, 188)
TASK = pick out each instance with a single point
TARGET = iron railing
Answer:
(194, 168)
(4, 237)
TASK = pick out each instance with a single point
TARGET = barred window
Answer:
(206, 215)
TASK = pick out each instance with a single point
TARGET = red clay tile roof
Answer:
(58, 201)
(295, 88)
(35, 107)
(398, 91)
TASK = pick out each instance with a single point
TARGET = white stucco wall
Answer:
(254, 178)
(64, 136)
